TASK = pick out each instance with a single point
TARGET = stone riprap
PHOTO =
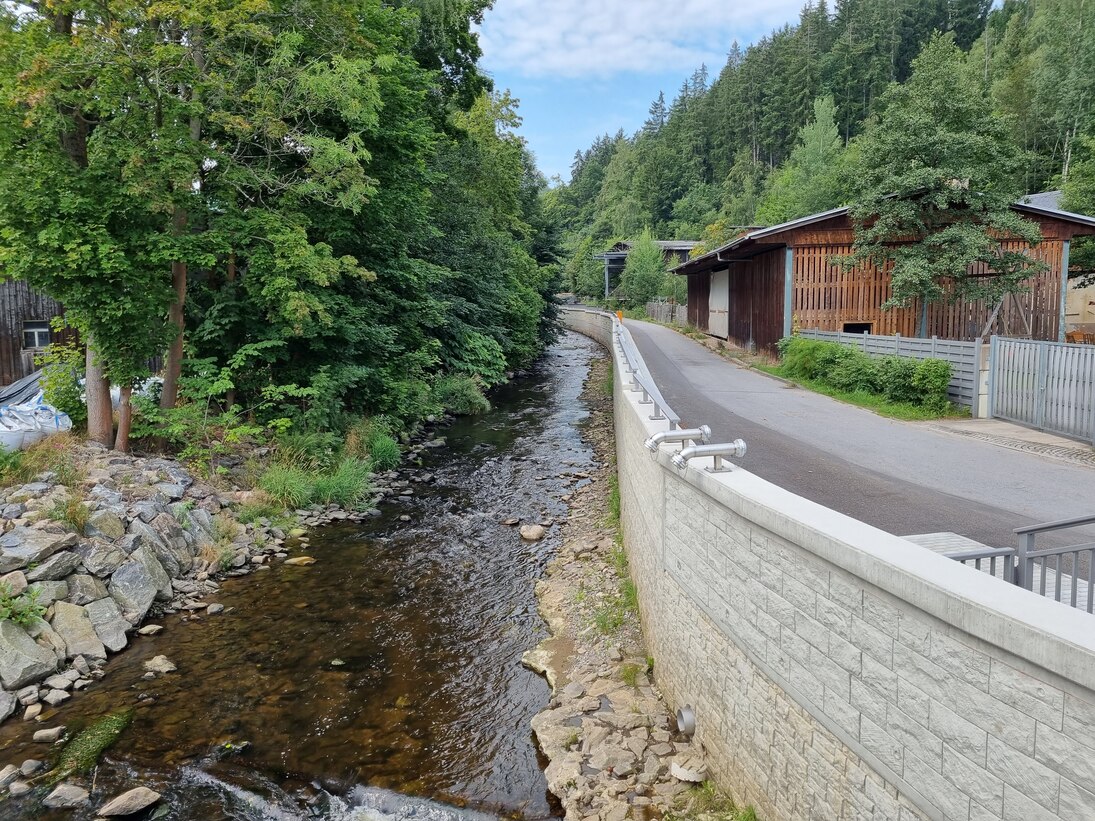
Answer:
(837, 671)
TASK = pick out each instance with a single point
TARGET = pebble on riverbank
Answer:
(612, 744)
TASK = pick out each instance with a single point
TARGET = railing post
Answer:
(1040, 382)
(1023, 577)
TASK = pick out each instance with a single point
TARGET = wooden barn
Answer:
(24, 328)
(751, 290)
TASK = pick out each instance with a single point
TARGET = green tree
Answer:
(811, 179)
(933, 185)
(645, 272)
(1079, 197)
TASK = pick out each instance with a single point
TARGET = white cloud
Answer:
(579, 38)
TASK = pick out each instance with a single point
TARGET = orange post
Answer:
(620, 316)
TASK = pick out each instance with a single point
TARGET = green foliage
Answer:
(71, 512)
(83, 750)
(57, 454)
(937, 167)
(645, 272)
(372, 440)
(23, 609)
(346, 486)
(900, 380)
(461, 395)
(289, 485)
(62, 365)
(810, 180)
(1078, 195)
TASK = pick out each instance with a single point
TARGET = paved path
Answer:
(902, 477)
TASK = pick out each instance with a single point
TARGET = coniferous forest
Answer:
(795, 123)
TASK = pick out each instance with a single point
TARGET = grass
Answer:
(288, 485)
(607, 385)
(71, 512)
(871, 401)
(629, 674)
(220, 552)
(705, 803)
(82, 752)
(372, 440)
(56, 453)
(347, 486)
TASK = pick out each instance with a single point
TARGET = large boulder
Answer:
(129, 803)
(8, 701)
(109, 623)
(100, 558)
(138, 582)
(75, 627)
(23, 546)
(84, 589)
(105, 525)
(15, 582)
(55, 567)
(47, 638)
(22, 661)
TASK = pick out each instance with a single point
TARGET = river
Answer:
(383, 682)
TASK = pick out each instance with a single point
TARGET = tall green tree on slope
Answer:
(933, 184)
(645, 271)
(810, 181)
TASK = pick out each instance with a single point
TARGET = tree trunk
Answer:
(125, 420)
(100, 414)
(173, 363)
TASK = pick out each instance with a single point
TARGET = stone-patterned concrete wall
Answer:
(839, 672)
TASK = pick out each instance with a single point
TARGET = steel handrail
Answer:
(1061, 525)
(641, 376)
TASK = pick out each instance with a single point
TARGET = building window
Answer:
(857, 327)
(35, 334)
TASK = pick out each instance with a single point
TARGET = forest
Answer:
(811, 117)
(320, 211)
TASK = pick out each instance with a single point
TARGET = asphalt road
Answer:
(901, 477)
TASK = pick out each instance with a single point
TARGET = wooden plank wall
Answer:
(18, 303)
(699, 295)
(756, 300)
(826, 295)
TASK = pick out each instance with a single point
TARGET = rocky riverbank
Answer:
(613, 746)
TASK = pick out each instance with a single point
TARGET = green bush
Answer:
(461, 395)
(289, 485)
(62, 366)
(23, 609)
(371, 439)
(384, 453)
(307, 449)
(899, 379)
(346, 486)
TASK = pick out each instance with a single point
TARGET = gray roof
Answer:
(1045, 203)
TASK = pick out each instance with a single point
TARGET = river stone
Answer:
(47, 638)
(533, 533)
(105, 525)
(171, 490)
(146, 511)
(55, 697)
(75, 627)
(28, 491)
(160, 664)
(21, 659)
(57, 682)
(49, 592)
(17, 789)
(130, 802)
(8, 702)
(100, 558)
(150, 629)
(55, 567)
(138, 582)
(300, 561)
(13, 511)
(8, 775)
(84, 589)
(110, 625)
(22, 546)
(66, 796)
(15, 582)
(30, 766)
(50, 735)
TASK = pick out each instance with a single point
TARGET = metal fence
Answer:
(667, 312)
(964, 357)
(1048, 385)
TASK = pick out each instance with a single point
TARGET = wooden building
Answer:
(24, 328)
(751, 290)
(615, 258)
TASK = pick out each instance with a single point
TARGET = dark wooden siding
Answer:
(19, 304)
(756, 300)
(699, 300)
(827, 296)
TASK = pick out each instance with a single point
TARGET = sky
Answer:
(582, 68)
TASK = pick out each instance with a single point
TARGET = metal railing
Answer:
(1054, 573)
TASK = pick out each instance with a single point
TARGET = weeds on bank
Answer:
(71, 512)
(56, 454)
(706, 803)
(23, 609)
(607, 384)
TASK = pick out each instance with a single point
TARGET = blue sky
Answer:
(584, 68)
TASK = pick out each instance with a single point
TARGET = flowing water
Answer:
(383, 682)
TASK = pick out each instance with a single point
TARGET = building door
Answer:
(718, 322)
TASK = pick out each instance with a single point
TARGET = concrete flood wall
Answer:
(840, 672)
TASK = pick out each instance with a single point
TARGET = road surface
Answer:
(902, 477)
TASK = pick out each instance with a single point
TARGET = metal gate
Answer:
(1048, 385)
(718, 305)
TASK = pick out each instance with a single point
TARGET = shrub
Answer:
(372, 440)
(62, 366)
(289, 485)
(347, 486)
(461, 395)
(899, 379)
(70, 511)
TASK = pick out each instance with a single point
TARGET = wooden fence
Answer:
(964, 357)
(1048, 385)
(667, 312)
